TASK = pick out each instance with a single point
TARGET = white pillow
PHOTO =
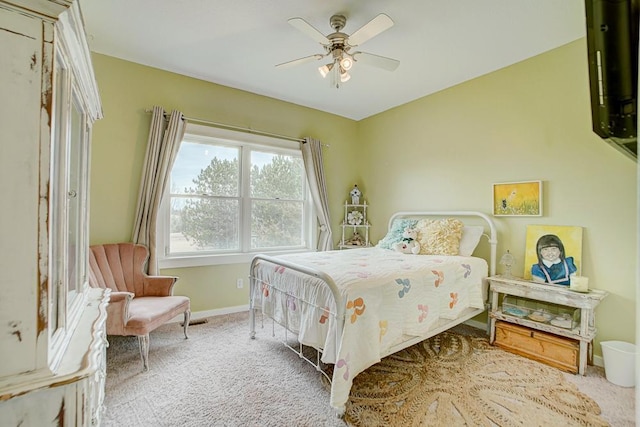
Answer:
(471, 235)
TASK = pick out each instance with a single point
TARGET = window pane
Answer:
(206, 169)
(204, 224)
(276, 176)
(74, 202)
(276, 223)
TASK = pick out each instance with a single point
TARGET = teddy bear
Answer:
(409, 243)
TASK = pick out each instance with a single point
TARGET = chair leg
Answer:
(187, 317)
(143, 340)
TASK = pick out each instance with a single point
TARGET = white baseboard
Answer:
(598, 361)
(209, 313)
(476, 324)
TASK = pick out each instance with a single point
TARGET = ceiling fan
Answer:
(338, 45)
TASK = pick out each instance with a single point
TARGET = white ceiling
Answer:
(237, 43)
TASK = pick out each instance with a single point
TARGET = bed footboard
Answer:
(256, 283)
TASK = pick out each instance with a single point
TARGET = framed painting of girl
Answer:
(553, 253)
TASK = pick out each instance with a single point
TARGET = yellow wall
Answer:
(530, 121)
(120, 139)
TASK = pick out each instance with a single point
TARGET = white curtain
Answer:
(312, 157)
(162, 147)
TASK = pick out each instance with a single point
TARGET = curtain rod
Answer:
(238, 128)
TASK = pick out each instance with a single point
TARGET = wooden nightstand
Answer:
(583, 331)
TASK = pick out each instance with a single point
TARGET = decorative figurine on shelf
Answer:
(355, 240)
(355, 195)
(553, 266)
(354, 218)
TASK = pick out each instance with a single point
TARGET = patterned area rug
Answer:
(456, 380)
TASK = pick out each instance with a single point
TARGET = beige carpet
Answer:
(219, 377)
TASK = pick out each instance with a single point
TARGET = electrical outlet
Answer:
(239, 284)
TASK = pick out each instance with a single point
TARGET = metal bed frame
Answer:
(339, 313)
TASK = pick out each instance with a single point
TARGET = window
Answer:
(231, 195)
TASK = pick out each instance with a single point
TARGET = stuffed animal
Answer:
(409, 243)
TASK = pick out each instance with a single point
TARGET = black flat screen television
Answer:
(612, 40)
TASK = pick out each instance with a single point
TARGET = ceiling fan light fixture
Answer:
(346, 62)
(338, 76)
(325, 69)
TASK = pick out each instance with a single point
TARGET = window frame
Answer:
(244, 140)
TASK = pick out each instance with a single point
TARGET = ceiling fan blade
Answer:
(371, 29)
(376, 60)
(299, 61)
(309, 30)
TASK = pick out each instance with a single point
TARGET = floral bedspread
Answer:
(386, 295)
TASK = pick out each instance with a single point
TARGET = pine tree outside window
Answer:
(232, 195)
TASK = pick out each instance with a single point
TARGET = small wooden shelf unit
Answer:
(566, 348)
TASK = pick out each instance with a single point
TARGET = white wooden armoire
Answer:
(52, 325)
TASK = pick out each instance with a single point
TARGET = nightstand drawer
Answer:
(560, 352)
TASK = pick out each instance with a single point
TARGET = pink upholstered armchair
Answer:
(139, 302)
